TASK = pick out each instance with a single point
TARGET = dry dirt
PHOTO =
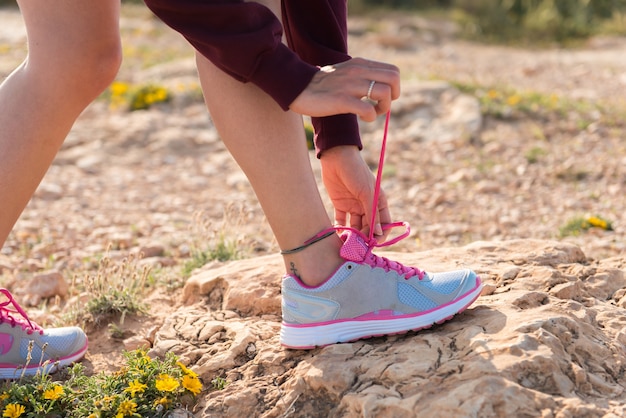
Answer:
(162, 179)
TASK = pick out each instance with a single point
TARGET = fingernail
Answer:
(378, 230)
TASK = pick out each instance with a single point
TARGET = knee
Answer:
(100, 65)
(91, 65)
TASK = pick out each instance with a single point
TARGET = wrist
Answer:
(339, 151)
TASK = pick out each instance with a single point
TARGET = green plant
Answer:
(534, 154)
(219, 383)
(116, 287)
(506, 103)
(509, 103)
(141, 97)
(542, 21)
(516, 21)
(116, 331)
(142, 387)
(578, 225)
(210, 242)
(221, 249)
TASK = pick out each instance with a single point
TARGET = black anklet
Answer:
(308, 243)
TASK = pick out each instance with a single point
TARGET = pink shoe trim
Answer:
(306, 286)
(7, 314)
(383, 316)
(376, 315)
(61, 360)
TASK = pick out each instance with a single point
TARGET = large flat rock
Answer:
(546, 339)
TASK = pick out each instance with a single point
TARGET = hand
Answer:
(340, 88)
(350, 185)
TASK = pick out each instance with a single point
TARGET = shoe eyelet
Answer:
(349, 266)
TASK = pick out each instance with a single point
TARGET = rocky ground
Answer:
(160, 182)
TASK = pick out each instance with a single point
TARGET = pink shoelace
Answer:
(367, 256)
(369, 241)
(10, 308)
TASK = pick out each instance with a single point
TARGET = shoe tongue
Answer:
(354, 247)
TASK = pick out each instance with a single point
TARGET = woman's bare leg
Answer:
(269, 145)
(74, 52)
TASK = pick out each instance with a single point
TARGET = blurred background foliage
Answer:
(517, 21)
(507, 21)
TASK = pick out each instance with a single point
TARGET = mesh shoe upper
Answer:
(26, 345)
(368, 287)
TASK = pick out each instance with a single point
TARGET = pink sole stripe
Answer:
(416, 329)
(370, 317)
(310, 347)
(62, 361)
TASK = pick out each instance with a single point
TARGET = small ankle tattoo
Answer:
(294, 271)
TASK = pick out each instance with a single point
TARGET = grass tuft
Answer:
(212, 242)
(115, 288)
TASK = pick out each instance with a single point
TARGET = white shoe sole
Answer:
(310, 336)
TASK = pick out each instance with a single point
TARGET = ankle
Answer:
(316, 263)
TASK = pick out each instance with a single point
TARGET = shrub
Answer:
(519, 20)
(142, 387)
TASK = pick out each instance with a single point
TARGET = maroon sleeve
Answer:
(243, 40)
(317, 31)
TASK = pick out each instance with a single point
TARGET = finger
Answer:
(341, 218)
(382, 73)
(339, 88)
(383, 217)
(378, 230)
(376, 66)
(361, 72)
(389, 80)
(363, 109)
(380, 98)
(356, 221)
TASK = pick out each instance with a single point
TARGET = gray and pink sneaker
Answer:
(371, 296)
(27, 349)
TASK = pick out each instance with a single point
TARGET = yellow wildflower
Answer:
(493, 94)
(160, 95)
(134, 387)
(513, 100)
(53, 393)
(554, 100)
(122, 371)
(165, 402)
(192, 384)
(126, 408)
(13, 410)
(597, 222)
(166, 383)
(118, 88)
(4, 397)
(104, 402)
(186, 370)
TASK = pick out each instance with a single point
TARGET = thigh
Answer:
(62, 29)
